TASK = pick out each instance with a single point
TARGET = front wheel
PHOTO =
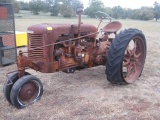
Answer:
(126, 57)
(11, 79)
(26, 91)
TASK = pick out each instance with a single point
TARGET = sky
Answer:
(133, 4)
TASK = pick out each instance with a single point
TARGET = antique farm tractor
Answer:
(70, 47)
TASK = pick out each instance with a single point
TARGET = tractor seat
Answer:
(112, 27)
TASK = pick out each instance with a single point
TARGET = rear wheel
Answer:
(126, 57)
(26, 90)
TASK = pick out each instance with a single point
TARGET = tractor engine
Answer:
(54, 47)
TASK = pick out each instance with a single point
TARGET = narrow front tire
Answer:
(26, 90)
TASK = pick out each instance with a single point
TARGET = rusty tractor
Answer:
(70, 47)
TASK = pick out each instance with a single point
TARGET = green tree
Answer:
(125, 13)
(128, 13)
(16, 6)
(146, 13)
(118, 12)
(156, 10)
(24, 5)
(53, 6)
(45, 7)
(108, 10)
(35, 6)
(66, 8)
(133, 13)
(75, 4)
(95, 5)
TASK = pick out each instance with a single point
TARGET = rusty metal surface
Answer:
(112, 27)
(28, 92)
(133, 60)
(23, 62)
(55, 47)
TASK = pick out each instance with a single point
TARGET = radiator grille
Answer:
(35, 40)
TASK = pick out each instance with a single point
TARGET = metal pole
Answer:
(1, 52)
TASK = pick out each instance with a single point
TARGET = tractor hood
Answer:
(59, 28)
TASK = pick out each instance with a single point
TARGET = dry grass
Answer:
(86, 94)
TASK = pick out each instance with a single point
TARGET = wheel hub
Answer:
(27, 92)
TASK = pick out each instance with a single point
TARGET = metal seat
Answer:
(112, 27)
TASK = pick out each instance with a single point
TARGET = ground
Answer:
(86, 94)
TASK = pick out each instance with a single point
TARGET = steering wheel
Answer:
(101, 16)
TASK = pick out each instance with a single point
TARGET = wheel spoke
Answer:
(137, 55)
(134, 67)
(129, 68)
(135, 49)
(129, 51)
(126, 62)
(135, 44)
